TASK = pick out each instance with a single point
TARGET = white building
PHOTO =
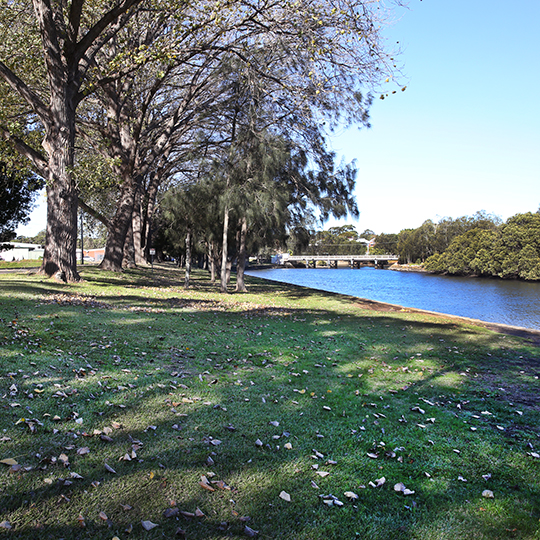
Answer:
(18, 252)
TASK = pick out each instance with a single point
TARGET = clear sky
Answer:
(465, 135)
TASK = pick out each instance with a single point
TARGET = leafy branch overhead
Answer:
(143, 91)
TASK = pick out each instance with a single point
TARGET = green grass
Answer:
(166, 373)
(25, 263)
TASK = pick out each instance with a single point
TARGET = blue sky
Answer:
(465, 135)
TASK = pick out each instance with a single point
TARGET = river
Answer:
(516, 303)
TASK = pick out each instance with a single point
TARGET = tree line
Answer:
(132, 110)
(480, 245)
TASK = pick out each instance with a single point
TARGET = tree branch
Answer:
(28, 95)
(37, 159)
(94, 213)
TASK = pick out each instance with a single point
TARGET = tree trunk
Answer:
(224, 252)
(136, 227)
(129, 250)
(212, 259)
(241, 264)
(150, 202)
(60, 255)
(188, 258)
(116, 235)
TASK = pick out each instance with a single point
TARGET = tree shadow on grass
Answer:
(260, 379)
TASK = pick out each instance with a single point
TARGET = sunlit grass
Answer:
(291, 384)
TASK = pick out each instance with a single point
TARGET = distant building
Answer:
(18, 252)
(96, 254)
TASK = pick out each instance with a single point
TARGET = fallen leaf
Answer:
(187, 515)
(248, 531)
(199, 513)
(148, 525)
(288, 446)
(103, 516)
(5, 525)
(109, 468)
(322, 474)
(8, 461)
(83, 451)
(285, 496)
(171, 512)
(258, 443)
(351, 495)
(378, 482)
(488, 494)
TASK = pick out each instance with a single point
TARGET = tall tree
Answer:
(70, 36)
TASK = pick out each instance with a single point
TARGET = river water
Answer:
(516, 303)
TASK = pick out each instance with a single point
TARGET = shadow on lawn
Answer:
(174, 459)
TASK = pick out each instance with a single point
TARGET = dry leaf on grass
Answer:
(285, 496)
(148, 525)
(378, 482)
(8, 461)
(400, 488)
(351, 495)
(5, 525)
(488, 494)
(248, 531)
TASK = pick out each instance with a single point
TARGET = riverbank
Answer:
(407, 268)
(281, 413)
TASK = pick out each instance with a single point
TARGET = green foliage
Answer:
(339, 240)
(510, 251)
(431, 238)
(18, 189)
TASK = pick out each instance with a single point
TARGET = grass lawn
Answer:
(132, 408)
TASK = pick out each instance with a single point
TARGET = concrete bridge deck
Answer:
(355, 261)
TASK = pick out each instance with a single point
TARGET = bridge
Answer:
(354, 261)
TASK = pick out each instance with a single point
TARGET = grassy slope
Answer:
(189, 381)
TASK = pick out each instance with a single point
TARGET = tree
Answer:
(18, 189)
(70, 36)
(385, 244)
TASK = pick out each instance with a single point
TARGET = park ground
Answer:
(133, 408)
